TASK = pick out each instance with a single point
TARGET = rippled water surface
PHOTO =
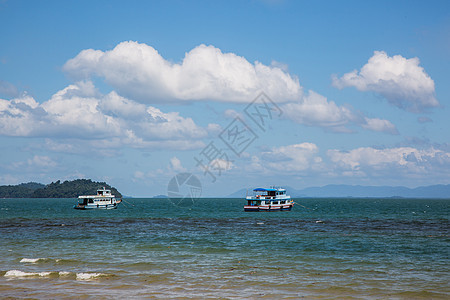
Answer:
(150, 248)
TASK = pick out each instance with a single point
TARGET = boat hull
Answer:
(88, 207)
(268, 207)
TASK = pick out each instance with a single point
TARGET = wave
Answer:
(63, 274)
(54, 260)
(89, 276)
(17, 273)
(33, 260)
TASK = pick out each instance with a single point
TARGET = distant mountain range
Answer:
(336, 190)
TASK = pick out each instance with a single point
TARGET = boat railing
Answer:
(262, 197)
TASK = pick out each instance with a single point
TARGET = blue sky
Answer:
(135, 92)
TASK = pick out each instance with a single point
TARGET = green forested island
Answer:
(67, 189)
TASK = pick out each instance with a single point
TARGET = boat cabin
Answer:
(270, 193)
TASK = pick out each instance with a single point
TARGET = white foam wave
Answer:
(78, 276)
(64, 273)
(31, 260)
(17, 273)
(89, 276)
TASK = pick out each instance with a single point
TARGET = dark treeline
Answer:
(67, 189)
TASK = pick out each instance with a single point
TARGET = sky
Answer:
(240, 94)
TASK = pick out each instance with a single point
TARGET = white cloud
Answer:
(291, 158)
(19, 116)
(80, 112)
(365, 165)
(380, 125)
(231, 114)
(139, 72)
(401, 81)
(40, 162)
(221, 164)
(315, 110)
(175, 165)
(406, 161)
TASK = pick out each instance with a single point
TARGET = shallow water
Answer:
(211, 248)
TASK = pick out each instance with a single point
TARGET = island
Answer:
(66, 189)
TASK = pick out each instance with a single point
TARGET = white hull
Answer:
(97, 206)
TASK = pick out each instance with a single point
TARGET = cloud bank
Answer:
(406, 161)
(79, 111)
(380, 164)
(137, 71)
(401, 81)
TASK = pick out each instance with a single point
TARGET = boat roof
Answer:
(267, 190)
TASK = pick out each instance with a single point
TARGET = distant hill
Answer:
(335, 190)
(67, 189)
(23, 190)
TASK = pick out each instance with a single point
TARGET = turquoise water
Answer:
(210, 249)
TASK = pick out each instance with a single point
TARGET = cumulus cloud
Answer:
(19, 116)
(79, 111)
(380, 125)
(401, 81)
(316, 110)
(139, 72)
(297, 157)
(175, 165)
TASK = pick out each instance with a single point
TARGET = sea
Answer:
(212, 249)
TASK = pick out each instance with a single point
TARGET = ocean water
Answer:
(212, 249)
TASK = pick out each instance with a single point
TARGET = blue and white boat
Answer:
(103, 200)
(269, 199)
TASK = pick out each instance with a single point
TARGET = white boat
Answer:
(103, 200)
(269, 199)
